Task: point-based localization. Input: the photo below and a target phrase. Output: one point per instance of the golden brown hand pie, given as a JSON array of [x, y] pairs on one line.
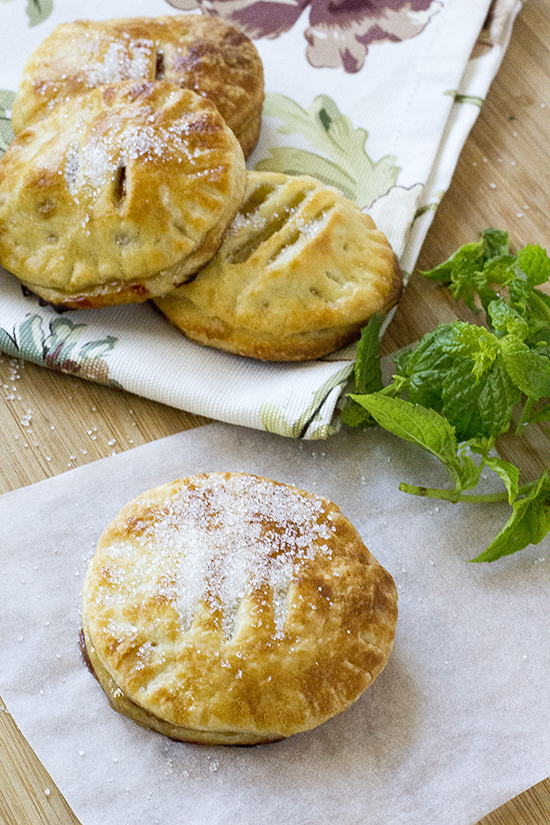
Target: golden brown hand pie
[[299, 272], [196, 52], [226, 608], [119, 194]]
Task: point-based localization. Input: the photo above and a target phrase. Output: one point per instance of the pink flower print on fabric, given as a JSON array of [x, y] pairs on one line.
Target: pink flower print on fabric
[[340, 31]]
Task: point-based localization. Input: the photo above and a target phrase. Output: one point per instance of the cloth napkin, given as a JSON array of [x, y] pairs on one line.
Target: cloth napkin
[[455, 725], [377, 101]]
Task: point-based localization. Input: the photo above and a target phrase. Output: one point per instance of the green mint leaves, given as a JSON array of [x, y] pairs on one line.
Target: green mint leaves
[[483, 268], [457, 390], [528, 524]]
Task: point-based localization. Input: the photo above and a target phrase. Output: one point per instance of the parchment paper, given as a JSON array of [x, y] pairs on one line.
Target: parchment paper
[[456, 724]]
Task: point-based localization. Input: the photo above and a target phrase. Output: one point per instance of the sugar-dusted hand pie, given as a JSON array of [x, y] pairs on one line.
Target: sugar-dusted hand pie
[[118, 194], [298, 274], [196, 52], [226, 608]]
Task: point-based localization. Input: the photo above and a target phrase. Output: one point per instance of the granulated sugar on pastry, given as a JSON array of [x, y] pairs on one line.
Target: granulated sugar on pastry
[[223, 559], [212, 610]]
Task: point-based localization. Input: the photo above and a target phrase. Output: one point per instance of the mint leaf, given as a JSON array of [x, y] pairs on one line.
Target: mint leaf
[[529, 370], [367, 375], [457, 371], [464, 270], [497, 242], [461, 272], [542, 414], [528, 524], [469, 258], [425, 369], [537, 316], [535, 264], [506, 320], [460, 400], [367, 370], [356, 416], [469, 471], [495, 403], [419, 425], [477, 343], [499, 270], [506, 471]]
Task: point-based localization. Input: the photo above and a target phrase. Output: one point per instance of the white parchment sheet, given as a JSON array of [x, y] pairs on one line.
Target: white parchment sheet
[[457, 723]]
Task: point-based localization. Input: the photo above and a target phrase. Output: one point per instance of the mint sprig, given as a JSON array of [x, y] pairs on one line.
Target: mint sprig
[[459, 388]]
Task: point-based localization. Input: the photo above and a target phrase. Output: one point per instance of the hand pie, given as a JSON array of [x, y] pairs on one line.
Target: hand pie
[[196, 52], [118, 194], [298, 274], [226, 608]]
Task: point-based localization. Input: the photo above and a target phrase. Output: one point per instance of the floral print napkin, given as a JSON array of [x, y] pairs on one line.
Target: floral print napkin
[[375, 98]]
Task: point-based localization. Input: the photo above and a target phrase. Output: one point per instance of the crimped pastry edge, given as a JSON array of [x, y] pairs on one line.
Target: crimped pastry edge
[[379, 624]]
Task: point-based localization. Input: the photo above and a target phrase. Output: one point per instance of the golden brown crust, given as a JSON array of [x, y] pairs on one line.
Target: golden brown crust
[[230, 609], [118, 194], [196, 52], [299, 272]]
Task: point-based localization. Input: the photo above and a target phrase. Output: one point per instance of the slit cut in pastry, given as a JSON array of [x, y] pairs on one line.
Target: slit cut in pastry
[[227, 608], [118, 194], [196, 52], [299, 273]]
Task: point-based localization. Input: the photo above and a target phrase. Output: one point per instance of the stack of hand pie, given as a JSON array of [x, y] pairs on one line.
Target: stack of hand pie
[[123, 175], [126, 181]]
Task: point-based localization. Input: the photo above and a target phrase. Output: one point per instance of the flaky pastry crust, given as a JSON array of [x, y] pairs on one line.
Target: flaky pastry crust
[[118, 194], [230, 609], [196, 52], [300, 271]]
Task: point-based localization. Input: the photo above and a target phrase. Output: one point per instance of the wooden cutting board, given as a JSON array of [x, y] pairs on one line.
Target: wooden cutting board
[[54, 422]]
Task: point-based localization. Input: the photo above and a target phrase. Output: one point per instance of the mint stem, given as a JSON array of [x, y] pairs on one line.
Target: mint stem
[[525, 413], [455, 496]]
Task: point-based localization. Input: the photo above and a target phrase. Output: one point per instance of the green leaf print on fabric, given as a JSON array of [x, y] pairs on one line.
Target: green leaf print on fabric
[[6, 132], [38, 11], [460, 98], [57, 348], [274, 419], [344, 162], [432, 206]]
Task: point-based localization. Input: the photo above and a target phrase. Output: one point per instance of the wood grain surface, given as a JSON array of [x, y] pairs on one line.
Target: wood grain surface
[[50, 423]]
